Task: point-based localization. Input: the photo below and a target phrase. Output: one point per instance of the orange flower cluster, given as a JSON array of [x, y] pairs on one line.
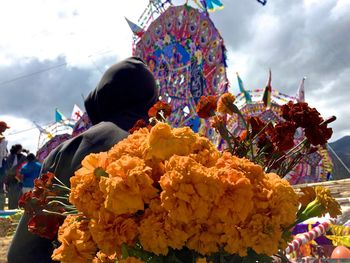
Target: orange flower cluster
[[171, 188]]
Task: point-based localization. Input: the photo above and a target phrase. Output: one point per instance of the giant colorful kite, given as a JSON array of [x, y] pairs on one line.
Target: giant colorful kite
[[185, 52]]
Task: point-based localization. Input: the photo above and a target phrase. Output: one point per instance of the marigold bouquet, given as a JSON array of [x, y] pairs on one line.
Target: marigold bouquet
[[167, 194]]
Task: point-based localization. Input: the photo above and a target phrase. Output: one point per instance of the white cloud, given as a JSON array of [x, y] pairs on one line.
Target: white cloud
[[75, 29], [22, 131], [341, 9]]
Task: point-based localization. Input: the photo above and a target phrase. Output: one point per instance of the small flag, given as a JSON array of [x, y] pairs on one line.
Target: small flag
[[212, 5], [43, 130], [301, 91], [138, 31], [59, 116], [246, 94], [267, 93], [76, 113]]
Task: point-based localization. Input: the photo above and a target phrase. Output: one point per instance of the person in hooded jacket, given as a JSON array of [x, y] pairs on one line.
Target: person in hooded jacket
[[124, 94]]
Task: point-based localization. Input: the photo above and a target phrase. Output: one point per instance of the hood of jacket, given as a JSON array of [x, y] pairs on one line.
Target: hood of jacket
[[124, 94]]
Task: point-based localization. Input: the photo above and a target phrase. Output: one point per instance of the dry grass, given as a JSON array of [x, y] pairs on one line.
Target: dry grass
[[4, 245]]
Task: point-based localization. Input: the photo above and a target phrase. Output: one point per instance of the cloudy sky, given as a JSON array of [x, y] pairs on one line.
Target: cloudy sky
[[53, 52]]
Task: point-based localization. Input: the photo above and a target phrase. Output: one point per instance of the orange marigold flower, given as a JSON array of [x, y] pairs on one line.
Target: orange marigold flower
[[308, 194], [217, 122], [164, 142], [251, 170], [232, 240], [128, 187], [322, 204], [204, 152], [158, 169], [160, 106], [133, 145], [206, 106], [261, 234], [131, 260], [225, 103], [189, 189], [283, 201], [76, 241], [109, 231], [205, 236], [85, 193], [158, 232], [103, 258], [236, 203]]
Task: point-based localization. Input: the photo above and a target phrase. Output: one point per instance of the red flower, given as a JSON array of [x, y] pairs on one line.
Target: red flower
[[30, 203], [45, 225], [141, 123], [257, 125], [309, 119], [160, 106], [318, 135], [206, 106], [284, 136], [301, 114]]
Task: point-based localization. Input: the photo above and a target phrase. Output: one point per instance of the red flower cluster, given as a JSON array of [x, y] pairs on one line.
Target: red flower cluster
[[278, 138], [206, 106], [160, 106], [316, 131], [141, 123], [34, 202]]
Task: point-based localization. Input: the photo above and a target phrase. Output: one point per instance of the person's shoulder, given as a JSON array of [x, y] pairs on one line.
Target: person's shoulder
[[104, 131]]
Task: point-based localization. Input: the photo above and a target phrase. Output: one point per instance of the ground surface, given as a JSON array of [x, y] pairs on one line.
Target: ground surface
[[4, 245]]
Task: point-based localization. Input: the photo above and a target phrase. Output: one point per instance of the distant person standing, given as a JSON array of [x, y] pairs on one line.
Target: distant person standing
[[30, 171], [13, 184], [3, 156]]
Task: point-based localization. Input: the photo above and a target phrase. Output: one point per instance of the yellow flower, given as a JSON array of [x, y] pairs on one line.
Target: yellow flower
[[85, 193], [133, 145], [128, 187], [109, 231], [76, 241], [225, 103], [189, 189], [308, 195], [322, 204], [158, 231], [131, 260], [201, 260], [165, 142]]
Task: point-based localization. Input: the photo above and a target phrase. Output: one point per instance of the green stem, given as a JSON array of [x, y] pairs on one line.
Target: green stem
[[61, 203], [58, 180], [62, 187], [57, 197], [53, 213]]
